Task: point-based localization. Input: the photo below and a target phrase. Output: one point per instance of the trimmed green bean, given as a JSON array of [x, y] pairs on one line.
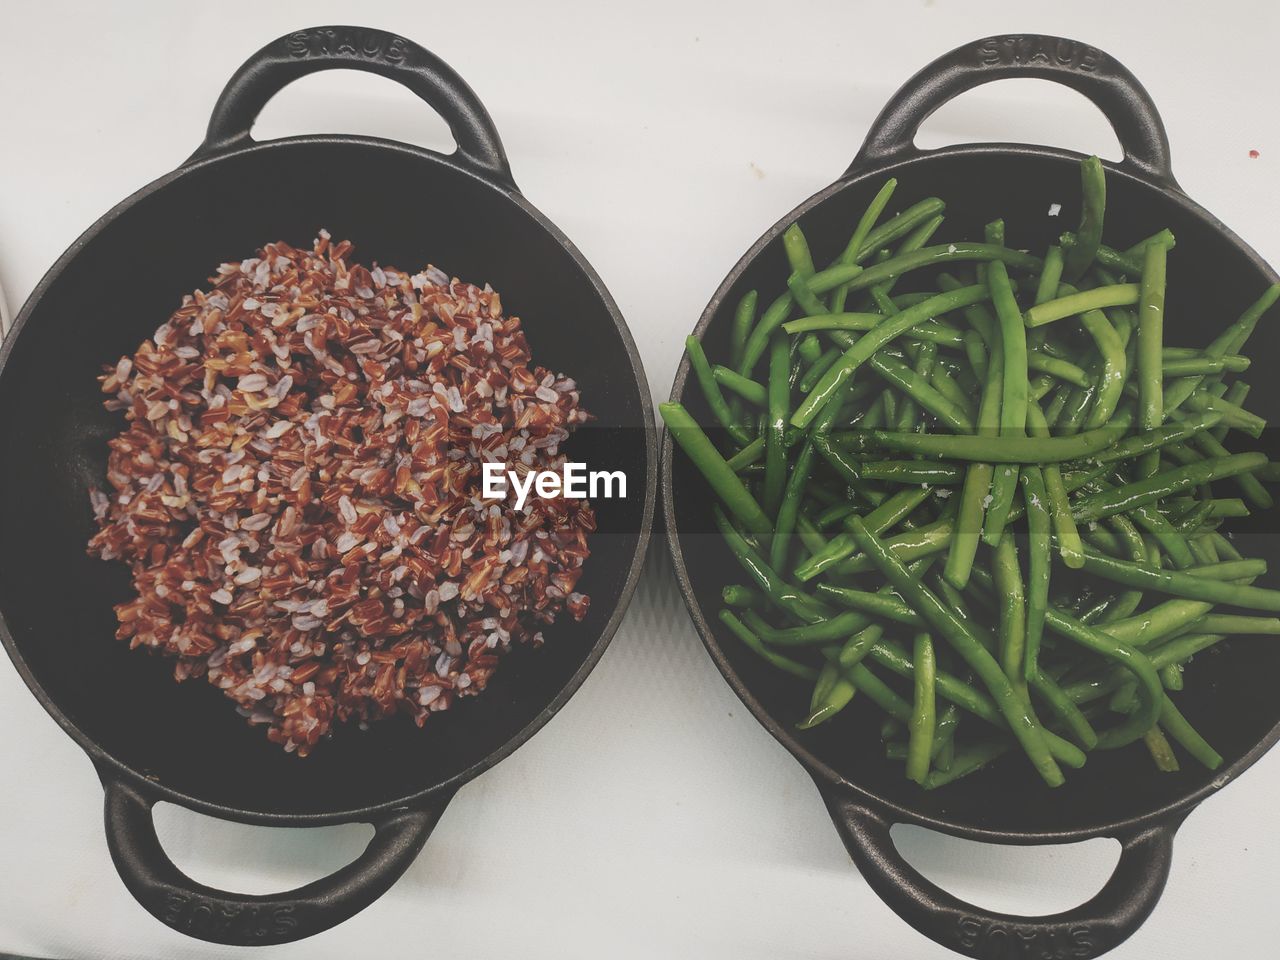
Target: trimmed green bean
[[876, 338], [1160, 485], [924, 716], [1079, 255], [711, 391], [700, 450]]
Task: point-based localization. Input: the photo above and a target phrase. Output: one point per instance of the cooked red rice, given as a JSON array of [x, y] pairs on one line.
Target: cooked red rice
[[297, 492]]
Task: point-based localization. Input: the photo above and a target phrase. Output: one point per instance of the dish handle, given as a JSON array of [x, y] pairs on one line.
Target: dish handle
[[304, 52], [252, 919], [1101, 78], [1099, 924]]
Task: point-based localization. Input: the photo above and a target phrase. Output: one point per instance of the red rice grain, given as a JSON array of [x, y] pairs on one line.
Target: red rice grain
[[297, 492]]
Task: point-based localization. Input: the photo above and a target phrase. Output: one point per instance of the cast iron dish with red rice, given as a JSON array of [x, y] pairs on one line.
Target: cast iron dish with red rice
[[152, 739]]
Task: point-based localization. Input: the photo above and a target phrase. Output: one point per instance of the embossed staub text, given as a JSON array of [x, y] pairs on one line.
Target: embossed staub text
[[354, 42], [1028, 50]]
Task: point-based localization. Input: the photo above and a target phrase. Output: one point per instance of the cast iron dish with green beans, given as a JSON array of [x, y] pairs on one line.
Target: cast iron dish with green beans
[[970, 498]]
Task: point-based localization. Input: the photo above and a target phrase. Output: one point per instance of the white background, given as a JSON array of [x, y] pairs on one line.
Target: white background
[[652, 817]]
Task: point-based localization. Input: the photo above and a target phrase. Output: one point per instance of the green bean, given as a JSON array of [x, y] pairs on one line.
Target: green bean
[[1164, 236], [775, 445], [711, 391], [881, 520], [731, 490], [1157, 486], [1249, 485], [808, 634], [1176, 725], [1233, 339], [1161, 750], [1025, 727], [926, 353], [894, 267], [1039, 526], [1230, 569], [1181, 583], [1150, 355], [858, 242], [744, 319], [1237, 393], [1144, 443], [773, 317], [808, 348], [1111, 350], [879, 693], [745, 457], [912, 545], [1231, 362], [1061, 369], [1075, 304], [944, 737], [1004, 485], [932, 331], [987, 449], [1152, 697], [877, 604], [1192, 366], [834, 514], [949, 386], [753, 643], [1079, 255], [975, 494], [1182, 648], [992, 233], [752, 391], [1228, 506], [831, 694], [1007, 575], [967, 761], [1013, 398], [1050, 276], [810, 537], [951, 413], [820, 366], [976, 353], [900, 224], [789, 508], [924, 718], [787, 598], [916, 239], [737, 595], [1165, 534], [1232, 415], [827, 702], [1230, 623], [796, 248], [1127, 262], [1069, 545], [806, 299], [880, 335], [1228, 342]]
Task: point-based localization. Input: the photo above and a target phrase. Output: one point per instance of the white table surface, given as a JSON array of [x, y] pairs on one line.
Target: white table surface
[[652, 817]]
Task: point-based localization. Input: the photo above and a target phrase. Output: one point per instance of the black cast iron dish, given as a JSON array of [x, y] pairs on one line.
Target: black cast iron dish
[[152, 739], [1115, 795]]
